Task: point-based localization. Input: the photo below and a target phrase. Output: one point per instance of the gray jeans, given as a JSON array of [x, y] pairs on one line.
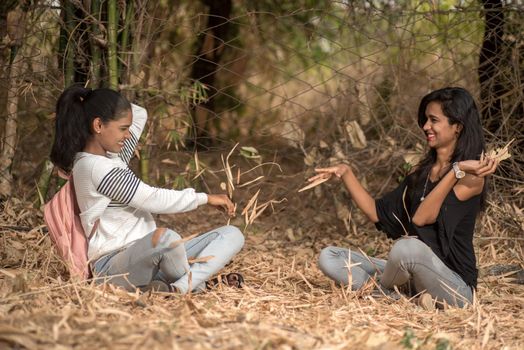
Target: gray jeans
[[152, 258], [410, 261]]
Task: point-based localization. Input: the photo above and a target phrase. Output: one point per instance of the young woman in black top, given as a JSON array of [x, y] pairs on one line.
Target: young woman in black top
[[436, 204]]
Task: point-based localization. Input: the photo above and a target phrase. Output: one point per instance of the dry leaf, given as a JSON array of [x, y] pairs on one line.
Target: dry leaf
[[500, 153], [356, 135], [311, 157], [413, 157], [250, 182], [168, 161], [314, 183], [250, 203], [183, 240], [200, 259]]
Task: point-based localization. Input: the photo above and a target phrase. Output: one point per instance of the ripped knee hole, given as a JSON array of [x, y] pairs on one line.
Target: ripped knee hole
[[159, 232]]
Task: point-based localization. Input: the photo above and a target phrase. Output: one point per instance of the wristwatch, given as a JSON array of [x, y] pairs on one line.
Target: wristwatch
[[459, 174]]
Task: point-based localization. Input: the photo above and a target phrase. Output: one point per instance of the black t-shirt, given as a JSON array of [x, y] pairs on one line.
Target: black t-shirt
[[450, 237]]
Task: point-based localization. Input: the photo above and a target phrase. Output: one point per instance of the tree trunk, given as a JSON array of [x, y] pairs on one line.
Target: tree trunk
[[6, 6], [210, 47], [5, 53], [17, 24], [490, 63]]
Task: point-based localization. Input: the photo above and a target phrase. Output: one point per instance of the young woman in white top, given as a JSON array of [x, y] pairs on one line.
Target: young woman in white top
[[96, 135]]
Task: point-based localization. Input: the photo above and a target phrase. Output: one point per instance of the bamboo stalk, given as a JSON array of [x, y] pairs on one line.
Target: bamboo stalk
[[112, 23], [96, 55], [43, 182], [144, 165], [69, 71], [126, 33]]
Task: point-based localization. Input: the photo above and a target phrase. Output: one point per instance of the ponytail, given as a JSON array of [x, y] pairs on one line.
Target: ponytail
[[76, 109], [71, 127]]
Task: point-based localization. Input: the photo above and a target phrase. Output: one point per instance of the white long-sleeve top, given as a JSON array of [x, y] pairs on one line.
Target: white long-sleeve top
[[107, 190]]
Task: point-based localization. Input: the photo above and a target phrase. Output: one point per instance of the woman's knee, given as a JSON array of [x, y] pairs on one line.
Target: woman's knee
[[233, 235], [325, 259], [408, 248], [163, 237]]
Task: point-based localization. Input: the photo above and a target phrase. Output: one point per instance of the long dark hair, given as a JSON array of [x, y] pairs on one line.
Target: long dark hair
[[76, 109], [460, 108]]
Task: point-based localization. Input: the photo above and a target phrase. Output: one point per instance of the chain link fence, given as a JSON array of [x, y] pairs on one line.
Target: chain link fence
[[313, 81]]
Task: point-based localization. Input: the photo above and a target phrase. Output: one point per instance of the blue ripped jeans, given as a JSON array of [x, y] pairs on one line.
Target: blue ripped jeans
[[153, 257], [410, 261]]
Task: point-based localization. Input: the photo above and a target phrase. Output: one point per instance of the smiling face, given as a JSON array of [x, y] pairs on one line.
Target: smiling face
[[110, 136], [439, 132]]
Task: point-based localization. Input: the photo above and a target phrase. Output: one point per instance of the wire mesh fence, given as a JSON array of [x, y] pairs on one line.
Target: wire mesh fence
[[317, 80]]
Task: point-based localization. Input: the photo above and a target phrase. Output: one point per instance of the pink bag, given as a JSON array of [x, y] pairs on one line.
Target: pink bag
[[61, 215]]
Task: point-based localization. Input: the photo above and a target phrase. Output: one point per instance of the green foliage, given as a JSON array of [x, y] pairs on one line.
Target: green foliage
[[191, 176], [193, 94], [405, 168], [443, 344], [371, 251], [180, 182], [409, 340], [250, 153], [174, 138]]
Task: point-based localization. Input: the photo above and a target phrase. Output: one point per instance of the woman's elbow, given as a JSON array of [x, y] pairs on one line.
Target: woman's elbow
[[373, 217], [421, 221]]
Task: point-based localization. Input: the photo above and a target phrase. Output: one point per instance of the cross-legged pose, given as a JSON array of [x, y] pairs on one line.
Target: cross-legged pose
[[436, 204], [96, 135]]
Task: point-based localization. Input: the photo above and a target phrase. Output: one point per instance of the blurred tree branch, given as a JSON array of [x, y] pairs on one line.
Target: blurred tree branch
[[15, 16]]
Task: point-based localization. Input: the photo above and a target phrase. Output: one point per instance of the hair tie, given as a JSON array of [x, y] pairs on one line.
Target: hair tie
[[85, 94]]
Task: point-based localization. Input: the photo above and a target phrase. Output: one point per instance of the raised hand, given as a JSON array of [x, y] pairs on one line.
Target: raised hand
[[325, 173], [480, 168]]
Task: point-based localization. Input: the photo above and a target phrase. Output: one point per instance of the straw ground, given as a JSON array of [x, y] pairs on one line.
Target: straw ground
[[286, 304]]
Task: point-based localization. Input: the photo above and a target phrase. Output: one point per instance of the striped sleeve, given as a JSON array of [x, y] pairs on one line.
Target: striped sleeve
[[123, 188], [139, 121], [119, 184]]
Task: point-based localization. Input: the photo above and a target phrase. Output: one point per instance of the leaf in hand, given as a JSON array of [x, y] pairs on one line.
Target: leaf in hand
[[501, 153], [315, 183]]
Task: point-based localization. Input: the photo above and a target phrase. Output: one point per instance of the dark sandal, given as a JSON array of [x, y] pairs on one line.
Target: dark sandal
[[234, 280], [157, 286]]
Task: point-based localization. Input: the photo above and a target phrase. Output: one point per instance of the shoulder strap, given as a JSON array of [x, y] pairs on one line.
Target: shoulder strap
[[77, 209]]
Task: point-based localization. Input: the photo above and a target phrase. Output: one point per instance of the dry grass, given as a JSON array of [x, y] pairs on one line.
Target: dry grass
[[287, 302]]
